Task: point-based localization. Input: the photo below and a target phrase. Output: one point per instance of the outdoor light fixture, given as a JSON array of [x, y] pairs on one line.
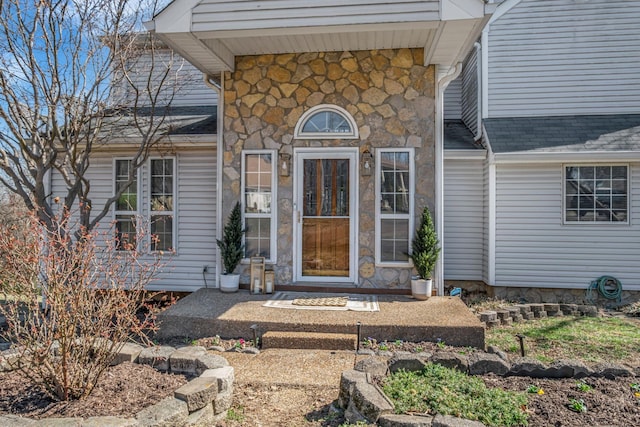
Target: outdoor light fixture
[[285, 164], [366, 163]]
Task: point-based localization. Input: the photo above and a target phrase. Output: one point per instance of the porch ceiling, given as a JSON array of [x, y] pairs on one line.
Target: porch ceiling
[[445, 35]]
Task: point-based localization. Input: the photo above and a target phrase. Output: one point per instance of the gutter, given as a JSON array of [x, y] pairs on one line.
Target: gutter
[[217, 84], [573, 157], [444, 77], [478, 134]]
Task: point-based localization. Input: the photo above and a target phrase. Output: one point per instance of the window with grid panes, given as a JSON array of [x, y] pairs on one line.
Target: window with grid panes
[[126, 206], [394, 191], [596, 194], [162, 203], [258, 196]]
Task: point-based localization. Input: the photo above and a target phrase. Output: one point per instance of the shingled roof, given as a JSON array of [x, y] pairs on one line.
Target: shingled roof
[[197, 120], [458, 137], [564, 133]]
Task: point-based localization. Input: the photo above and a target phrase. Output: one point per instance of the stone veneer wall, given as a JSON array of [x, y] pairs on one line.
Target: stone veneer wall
[[390, 94]]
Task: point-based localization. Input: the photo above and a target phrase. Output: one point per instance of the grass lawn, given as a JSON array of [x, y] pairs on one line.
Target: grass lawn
[[590, 339]]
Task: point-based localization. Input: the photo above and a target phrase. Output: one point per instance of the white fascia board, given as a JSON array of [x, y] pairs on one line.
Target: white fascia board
[[576, 156], [183, 142], [461, 9], [175, 18], [465, 154]]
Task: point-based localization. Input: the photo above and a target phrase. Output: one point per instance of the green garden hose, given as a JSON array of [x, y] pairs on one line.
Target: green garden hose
[[608, 286]]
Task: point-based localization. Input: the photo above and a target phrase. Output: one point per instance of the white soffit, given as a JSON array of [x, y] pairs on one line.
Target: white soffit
[[453, 41], [333, 41], [446, 40]]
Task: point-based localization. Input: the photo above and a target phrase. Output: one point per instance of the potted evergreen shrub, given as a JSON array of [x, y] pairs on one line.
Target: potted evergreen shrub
[[231, 250], [425, 250]]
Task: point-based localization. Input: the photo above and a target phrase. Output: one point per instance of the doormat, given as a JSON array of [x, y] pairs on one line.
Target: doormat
[[324, 302], [315, 301]]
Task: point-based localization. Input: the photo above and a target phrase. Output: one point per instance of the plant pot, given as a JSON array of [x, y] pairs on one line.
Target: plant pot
[[229, 282], [421, 288]]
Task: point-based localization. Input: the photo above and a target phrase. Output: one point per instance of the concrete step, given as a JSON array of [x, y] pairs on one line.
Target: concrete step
[[309, 340]]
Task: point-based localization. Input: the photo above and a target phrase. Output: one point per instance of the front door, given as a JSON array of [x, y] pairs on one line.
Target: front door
[[325, 213]]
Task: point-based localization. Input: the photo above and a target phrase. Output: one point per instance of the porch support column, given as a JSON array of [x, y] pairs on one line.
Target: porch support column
[[444, 76]]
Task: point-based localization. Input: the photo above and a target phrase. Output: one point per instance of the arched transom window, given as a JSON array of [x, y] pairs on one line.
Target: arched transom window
[[326, 121]]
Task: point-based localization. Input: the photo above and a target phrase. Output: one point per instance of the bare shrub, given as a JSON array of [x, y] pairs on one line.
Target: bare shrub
[[93, 293]]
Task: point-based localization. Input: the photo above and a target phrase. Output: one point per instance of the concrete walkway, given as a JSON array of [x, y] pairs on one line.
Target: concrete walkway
[[285, 367]]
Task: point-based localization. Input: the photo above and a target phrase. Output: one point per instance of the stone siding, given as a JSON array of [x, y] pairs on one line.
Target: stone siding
[[390, 94]]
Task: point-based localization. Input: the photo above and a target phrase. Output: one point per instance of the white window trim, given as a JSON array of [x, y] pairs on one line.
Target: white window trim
[[594, 223], [298, 134], [274, 201], [174, 212], [115, 211], [379, 216]]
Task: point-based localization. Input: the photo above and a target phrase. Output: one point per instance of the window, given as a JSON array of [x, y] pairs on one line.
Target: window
[[394, 205], [162, 203], [596, 194], [258, 195], [326, 121], [126, 207]]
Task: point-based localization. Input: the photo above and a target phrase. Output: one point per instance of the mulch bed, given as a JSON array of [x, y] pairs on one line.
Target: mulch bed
[[123, 391], [609, 403]]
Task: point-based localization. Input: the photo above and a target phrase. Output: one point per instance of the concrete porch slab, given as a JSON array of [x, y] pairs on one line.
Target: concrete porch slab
[[209, 312]]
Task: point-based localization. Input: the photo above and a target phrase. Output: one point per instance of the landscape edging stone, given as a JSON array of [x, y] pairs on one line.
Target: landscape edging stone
[[357, 408], [169, 412]]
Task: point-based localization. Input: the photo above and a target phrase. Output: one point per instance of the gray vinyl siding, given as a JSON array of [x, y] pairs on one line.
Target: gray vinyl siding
[[183, 86], [535, 249], [463, 248], [469, 95], [563, 57], [453, 100], [195, 215], [219, 15]]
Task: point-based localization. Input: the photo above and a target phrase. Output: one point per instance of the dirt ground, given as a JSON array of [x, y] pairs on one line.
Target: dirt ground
[[297, 388], [123, 390], [608, 403]]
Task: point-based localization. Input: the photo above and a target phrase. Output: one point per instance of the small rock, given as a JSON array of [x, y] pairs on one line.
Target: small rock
[[611, 370], [568, 369], [528, 367], [451, 360], [481, 363], [372, 365], [495, 350], [216, 348], [395, 420], [408, 361], [250, 350], [449, 421]]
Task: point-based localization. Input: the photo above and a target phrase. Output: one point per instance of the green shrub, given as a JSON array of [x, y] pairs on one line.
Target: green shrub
[[450, 392]]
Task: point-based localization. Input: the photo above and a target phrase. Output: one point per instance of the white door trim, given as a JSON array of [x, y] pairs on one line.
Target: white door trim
[[299, 155]]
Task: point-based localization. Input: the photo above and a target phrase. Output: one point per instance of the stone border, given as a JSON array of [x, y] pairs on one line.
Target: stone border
[[363, 400], [520, 312], [201, 402]]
